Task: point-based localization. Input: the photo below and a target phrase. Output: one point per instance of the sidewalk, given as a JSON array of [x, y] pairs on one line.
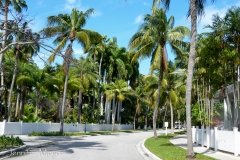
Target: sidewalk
[[181, 141]]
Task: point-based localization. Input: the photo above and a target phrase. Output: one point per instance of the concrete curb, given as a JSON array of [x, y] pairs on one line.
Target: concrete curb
[[144, 152], [7, 153]]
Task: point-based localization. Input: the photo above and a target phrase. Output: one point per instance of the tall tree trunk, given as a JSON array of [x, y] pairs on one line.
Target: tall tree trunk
[[17, 102], [229, 112], [172, 126], [157, 103], [37, 103], [12, 84], [146, 118], [68, 52], [4, 38], [79, 106], [191, 62], [22, 103], [114, 114]]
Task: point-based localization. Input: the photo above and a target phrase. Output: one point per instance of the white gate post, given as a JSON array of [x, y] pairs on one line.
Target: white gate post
[[202, 135], [21, 122], [215, 139], [197, 130], [4, 126], [235, 132], [208, 136], [50, 126], [193, 134]]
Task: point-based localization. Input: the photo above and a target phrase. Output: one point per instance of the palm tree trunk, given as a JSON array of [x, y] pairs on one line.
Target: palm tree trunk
[[17, 102], [172, 127], [146, 117], [191, 63], [37, 103], [68, 52], [12, 84], [79, 106], [114, 114], [22, 103], [157, 103]]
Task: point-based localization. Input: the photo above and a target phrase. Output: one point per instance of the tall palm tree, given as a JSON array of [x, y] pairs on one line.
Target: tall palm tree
[[151, 40], [68, 28]]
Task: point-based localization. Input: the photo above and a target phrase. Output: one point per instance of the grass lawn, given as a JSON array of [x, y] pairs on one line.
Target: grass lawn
[[165, 150]]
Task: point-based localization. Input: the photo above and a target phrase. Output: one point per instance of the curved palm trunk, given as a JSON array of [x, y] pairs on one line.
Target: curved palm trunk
[[68, 52], [191, 62], [171, 108], [146, 118], [12, 84], [17, 103], [100, 94], [79, 106]]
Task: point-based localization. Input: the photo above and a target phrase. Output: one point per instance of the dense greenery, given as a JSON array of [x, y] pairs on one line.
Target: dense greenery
[[8, 142]]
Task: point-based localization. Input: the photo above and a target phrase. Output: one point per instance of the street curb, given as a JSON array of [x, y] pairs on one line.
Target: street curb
[[7, 153], [144, 152]]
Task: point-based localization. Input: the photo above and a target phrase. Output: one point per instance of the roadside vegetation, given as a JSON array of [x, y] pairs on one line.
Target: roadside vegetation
[[165, 150], [9, 142]]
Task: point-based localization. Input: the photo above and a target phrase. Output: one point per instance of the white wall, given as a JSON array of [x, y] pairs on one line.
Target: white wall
[[19, 128], [223, 140]]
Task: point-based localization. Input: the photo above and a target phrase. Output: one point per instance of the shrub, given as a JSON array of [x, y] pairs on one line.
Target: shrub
[[6, 142]]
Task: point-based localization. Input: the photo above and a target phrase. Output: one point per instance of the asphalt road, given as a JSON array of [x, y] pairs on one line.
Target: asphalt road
[[119, 146]]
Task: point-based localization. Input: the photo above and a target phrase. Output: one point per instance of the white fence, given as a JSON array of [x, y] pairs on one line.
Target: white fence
[[20, 128], [228, 141]]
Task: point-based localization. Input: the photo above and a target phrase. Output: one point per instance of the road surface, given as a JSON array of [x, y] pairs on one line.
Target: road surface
[[119, 146]]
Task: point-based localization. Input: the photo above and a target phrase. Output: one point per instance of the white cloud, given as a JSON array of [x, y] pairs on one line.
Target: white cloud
[[71, 1], [139, 19], [146, 4], [96, 14], [77, 51], [70, 4]]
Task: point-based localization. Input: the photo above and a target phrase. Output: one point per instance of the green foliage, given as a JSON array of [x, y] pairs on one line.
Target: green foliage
[[6, 142]]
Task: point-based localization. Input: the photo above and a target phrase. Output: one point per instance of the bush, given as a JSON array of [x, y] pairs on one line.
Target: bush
[[6, 142], [46, 134]]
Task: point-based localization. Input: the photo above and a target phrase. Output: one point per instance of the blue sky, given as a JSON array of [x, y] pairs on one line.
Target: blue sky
[[117, 18]]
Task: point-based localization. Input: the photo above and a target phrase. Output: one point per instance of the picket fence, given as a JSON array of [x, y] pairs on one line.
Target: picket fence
[[222, 140], [20, 128]]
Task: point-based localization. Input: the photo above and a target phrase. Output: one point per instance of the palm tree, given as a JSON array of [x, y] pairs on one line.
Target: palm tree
[[120, 90], [68, 28], [18, 5], [151, 39]]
